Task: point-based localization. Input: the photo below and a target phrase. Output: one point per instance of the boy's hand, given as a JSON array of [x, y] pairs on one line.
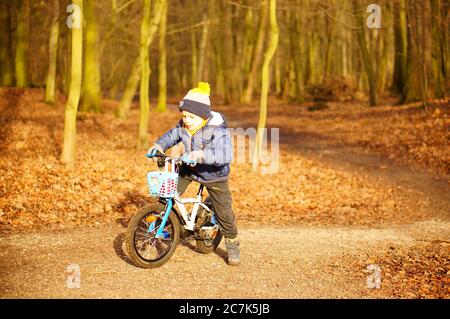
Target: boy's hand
[[185, 159], [192, 158], [152, 153]]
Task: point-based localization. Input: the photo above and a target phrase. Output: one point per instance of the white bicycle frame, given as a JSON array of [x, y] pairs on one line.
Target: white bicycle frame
[[189, 218]]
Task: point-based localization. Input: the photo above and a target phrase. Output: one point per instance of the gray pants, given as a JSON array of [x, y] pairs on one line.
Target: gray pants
[[221, 200]]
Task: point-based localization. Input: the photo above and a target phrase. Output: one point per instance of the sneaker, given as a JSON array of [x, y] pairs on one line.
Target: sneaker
[[232, 245]]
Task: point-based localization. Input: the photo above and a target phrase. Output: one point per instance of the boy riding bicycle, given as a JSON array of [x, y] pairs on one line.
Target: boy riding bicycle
[[206, 160]]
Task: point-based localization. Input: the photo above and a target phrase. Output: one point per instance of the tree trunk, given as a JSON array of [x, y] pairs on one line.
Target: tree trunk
[[311, 63], [278, 90], [52, 53], [22, 31], [367, 59], [194, 57], [145, 77], [238, 75], [203, 45], [329, 43], [218, 80], [445, 45], [273, 43], [257, 54], [162, 67], [91, 91], [412, 90], [133, 79], [70, 113], [130, 90], [345, 67], [248, 42], [382, 67], [6, 58], [296, 57], [227, 50], [67, 58], [426, 49], [400, 40], [438, 51]]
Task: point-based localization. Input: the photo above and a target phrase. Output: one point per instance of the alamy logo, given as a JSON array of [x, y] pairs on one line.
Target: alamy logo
[[74, 20], [374, 19], [244, 141], [269, 158], [374, 279], [73, 279]]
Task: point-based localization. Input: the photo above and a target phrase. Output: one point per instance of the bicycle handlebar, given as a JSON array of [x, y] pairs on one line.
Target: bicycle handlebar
[[165, 157]]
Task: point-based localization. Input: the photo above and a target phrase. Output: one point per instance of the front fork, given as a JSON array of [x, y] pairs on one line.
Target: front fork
[[161, 233]]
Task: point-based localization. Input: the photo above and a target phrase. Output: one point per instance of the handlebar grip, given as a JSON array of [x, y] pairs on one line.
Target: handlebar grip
[[158, 154]]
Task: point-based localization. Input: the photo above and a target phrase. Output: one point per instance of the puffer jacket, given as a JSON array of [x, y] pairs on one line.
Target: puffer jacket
[[215, 142]]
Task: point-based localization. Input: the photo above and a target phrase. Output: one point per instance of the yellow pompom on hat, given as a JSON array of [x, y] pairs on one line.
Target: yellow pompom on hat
[[197, 102], [202, 88]]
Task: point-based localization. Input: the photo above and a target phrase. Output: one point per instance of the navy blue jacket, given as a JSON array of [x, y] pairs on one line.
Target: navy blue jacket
[[214, 143]]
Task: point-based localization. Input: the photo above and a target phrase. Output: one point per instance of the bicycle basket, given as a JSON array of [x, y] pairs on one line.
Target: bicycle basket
[[162, 184]]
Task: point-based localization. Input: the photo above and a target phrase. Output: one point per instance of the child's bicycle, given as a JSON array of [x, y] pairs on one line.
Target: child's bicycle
[[154, 232]]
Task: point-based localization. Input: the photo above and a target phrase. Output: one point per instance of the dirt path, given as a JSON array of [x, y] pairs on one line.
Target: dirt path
[[289, 263], [377, 167]]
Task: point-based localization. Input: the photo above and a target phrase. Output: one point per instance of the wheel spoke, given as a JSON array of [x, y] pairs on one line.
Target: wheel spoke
[[143, 242], [145, 229], [158, 247], [148, 249]]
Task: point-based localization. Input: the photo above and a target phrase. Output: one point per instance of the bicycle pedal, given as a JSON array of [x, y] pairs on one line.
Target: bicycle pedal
[[207, 232]]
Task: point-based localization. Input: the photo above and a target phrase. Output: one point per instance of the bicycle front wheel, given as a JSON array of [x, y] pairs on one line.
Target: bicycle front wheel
[[144, 248]]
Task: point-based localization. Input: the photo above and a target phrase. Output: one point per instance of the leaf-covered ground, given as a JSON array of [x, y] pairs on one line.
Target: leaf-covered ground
[[422, 271], [338, 168], [407, 134], [108, 182]]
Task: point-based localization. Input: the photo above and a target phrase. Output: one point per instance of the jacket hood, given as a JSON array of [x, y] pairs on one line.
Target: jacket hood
[[216, 119]]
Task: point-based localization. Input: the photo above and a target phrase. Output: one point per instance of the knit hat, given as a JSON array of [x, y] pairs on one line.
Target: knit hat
[[197, 101]]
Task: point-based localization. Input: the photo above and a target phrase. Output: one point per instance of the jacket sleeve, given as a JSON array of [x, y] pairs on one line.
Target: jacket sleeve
[[220, 151], [170, 138]]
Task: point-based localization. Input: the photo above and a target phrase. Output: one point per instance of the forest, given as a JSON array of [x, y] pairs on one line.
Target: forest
[[357, 90], [114, 50]]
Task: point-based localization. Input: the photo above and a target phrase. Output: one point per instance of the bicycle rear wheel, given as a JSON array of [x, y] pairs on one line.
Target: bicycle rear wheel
[[144, 249], [208, 246]]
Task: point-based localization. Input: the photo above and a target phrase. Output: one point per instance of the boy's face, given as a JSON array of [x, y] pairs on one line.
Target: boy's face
[[191, 121]]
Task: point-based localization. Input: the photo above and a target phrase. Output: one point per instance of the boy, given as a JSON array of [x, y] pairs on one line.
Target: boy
[[208, 154]]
